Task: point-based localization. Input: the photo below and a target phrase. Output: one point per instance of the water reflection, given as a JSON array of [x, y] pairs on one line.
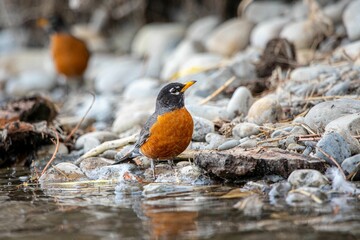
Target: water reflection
[[95, 211]]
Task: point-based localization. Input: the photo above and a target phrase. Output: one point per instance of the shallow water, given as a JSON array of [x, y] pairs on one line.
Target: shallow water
[[96, 211]]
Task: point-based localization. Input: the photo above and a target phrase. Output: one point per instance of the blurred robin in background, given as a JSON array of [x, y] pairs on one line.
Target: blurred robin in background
[[168, 131], [70, 54]]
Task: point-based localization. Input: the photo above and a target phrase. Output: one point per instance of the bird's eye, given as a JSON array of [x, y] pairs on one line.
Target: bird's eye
[[174, 91]]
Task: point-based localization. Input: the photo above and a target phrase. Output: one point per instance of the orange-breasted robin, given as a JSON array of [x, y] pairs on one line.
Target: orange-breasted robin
[[168, 131], [70, 54]]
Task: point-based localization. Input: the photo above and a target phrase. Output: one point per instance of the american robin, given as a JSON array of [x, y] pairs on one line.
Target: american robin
[[70, 54], [168, 131]]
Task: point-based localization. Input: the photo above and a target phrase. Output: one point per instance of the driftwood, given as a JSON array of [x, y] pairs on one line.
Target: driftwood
[[239, 163]]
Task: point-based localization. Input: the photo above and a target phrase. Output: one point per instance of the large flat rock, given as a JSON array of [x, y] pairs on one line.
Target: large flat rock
[[239, 163]]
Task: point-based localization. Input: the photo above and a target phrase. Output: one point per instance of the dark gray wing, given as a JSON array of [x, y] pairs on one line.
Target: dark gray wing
[[145, 131]]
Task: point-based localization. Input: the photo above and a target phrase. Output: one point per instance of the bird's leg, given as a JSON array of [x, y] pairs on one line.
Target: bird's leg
[[153, 168]]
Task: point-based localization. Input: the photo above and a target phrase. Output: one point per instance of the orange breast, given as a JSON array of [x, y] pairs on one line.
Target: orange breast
[[70, 55], [169, 136]]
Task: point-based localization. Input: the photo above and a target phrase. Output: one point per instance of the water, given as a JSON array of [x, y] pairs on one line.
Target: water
[[95, 211]]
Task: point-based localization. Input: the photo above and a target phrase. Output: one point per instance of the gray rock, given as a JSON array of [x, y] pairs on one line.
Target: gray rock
[[127, 121], [258, 12], [279, 191], [230, 37], [347, 126], [202, 127], [142, 89], [352, 164], [298, 130], [351, 49], [245, 129], [307, 178], [179, 56], [229, 144], [334, 145], [302, 74], [91, 166], [295, 147], [162, 189], [30, 81], [265, 110], [351, 20], [335, 11], [341, 88], [116, 75], [198, 145], [323, 113], [281, 132], [189, 173], [209, 112], [240, 102], [301, 33], [114, 172], [267, 30], [63, 172], [200, 29], [243, 67], [249, 143], [100, 136], [214, 140], [298, 199]]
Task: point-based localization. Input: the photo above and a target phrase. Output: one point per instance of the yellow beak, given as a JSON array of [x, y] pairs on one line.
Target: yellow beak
[[187, 85]]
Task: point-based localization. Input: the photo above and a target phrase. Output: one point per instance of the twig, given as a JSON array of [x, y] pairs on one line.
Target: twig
[[332, 160], [54, 154], [313, 197], [82, 119], [218, 91], [106, 146]]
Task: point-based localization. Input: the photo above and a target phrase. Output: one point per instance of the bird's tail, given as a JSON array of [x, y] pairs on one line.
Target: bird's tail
[[129, 156]]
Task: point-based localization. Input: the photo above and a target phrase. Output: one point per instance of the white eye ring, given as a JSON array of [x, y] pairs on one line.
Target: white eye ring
[[174, 91]]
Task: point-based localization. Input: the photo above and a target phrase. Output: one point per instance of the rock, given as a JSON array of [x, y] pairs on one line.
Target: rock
[[100, 136], [341, 88], [48, 150], [298, 199], [238, 163], [229, 144], [127, 121], [249, 143], [352, 165], [265, 110], [117, 74], [307, 178], [335, 11], [114, 172], [230, 37], [200, 29], [334, 145], [279, 191], [267, 30], [202, 127], [214, 140], [245, 129], [323, 113], [309, 73], [30, 81], [198, 62], [190, 173], [351, 49], [240, 102], [243, 67], [179, 56], [90, 166], [209, 112], [162, 189], [258, 12], [63, 172], [347, 126], [295, 147], [301, 33], [101, 110], [142, 89], [157, 37], [351, 19]]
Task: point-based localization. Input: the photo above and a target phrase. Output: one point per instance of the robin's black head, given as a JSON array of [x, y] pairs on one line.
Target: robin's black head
[[52, 24], [172, 96]]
